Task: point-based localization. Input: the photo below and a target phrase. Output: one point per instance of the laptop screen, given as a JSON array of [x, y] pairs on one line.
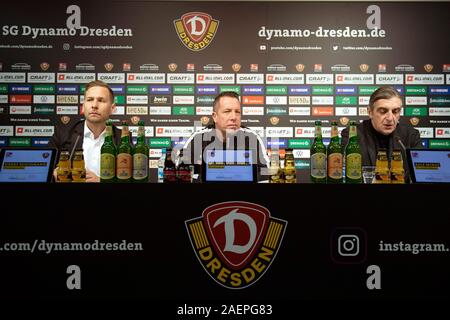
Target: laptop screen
[[26, 165], [429, 165], [229, 166]]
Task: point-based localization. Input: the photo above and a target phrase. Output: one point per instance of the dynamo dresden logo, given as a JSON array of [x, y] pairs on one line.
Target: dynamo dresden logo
[[196, 30], [236, 242]]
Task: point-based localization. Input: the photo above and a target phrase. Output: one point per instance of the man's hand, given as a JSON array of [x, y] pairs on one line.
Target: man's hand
[[55, 174], [91, 177]]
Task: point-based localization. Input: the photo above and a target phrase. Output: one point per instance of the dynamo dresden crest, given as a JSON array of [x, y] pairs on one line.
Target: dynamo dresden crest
[[236, 242], [196, 30]]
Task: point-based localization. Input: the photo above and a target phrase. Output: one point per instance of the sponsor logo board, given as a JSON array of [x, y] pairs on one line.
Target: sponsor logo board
[[299, 111], [252, 111], [41, 77], [75, 77], [181, 131], [111, 77], [160, 110], [250, 78], [424, 79], [180, 78], [319, 79], [20, 110], [66, 109], [280, 132], [282, 100], [6, 131], [34, 131], [136, 78], [224, 78], [290, 78]]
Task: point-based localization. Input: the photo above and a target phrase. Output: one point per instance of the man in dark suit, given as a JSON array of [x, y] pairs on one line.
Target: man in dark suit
[[89, 134], [383, 129]]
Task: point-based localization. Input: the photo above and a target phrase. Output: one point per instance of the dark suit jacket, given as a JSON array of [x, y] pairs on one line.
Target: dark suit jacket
[[65, 138], [369, 143]]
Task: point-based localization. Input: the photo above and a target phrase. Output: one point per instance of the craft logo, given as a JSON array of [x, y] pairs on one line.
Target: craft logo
[[196, 30], [236, 242], [382, 67], [108, 66]]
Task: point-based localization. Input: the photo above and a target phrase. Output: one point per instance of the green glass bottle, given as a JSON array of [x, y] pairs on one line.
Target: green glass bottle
[[124, 162], [353, 159], [318, 164], [140, 156], [334, 156], [108, 156]]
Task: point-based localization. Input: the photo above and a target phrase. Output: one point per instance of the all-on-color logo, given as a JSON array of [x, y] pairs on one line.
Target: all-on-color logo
[[236, 241], [196, 30]]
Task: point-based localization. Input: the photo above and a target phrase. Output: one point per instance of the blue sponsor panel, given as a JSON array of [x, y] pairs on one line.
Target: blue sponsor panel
[[439, 90], [67, 89], [117, 89], [40, 142], [178, 143], [20, 88], [400, 89], [275, 143], [3, 142], [251, 90], [206, 89], [160, 89], [294, 90], [346, 90], [425, 143]]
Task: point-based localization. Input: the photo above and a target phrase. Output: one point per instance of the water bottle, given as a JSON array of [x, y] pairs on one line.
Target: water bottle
[[161, 161]]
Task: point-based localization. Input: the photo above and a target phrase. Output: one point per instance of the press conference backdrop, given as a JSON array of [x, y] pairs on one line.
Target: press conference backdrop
[[291, 62]]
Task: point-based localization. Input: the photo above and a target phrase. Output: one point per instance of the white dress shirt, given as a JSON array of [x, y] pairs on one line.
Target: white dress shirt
[[91, 149]]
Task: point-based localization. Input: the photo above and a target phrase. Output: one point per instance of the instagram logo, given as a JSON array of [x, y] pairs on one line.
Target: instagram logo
[[348, 245]]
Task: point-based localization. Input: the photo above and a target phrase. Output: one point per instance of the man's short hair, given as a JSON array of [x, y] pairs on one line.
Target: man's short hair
[[99, 83], [384, 92], [230, 94]]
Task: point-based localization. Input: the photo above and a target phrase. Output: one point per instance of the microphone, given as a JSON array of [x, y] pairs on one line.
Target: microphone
[[397, 138], [74, 146], [399, 141]]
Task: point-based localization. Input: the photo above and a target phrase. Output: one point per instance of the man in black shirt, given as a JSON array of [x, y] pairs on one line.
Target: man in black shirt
[[383, 130], [226, 133]]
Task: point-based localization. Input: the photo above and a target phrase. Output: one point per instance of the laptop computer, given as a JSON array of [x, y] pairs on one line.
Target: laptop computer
[[429, 165], [229, 166], [27, 164]]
